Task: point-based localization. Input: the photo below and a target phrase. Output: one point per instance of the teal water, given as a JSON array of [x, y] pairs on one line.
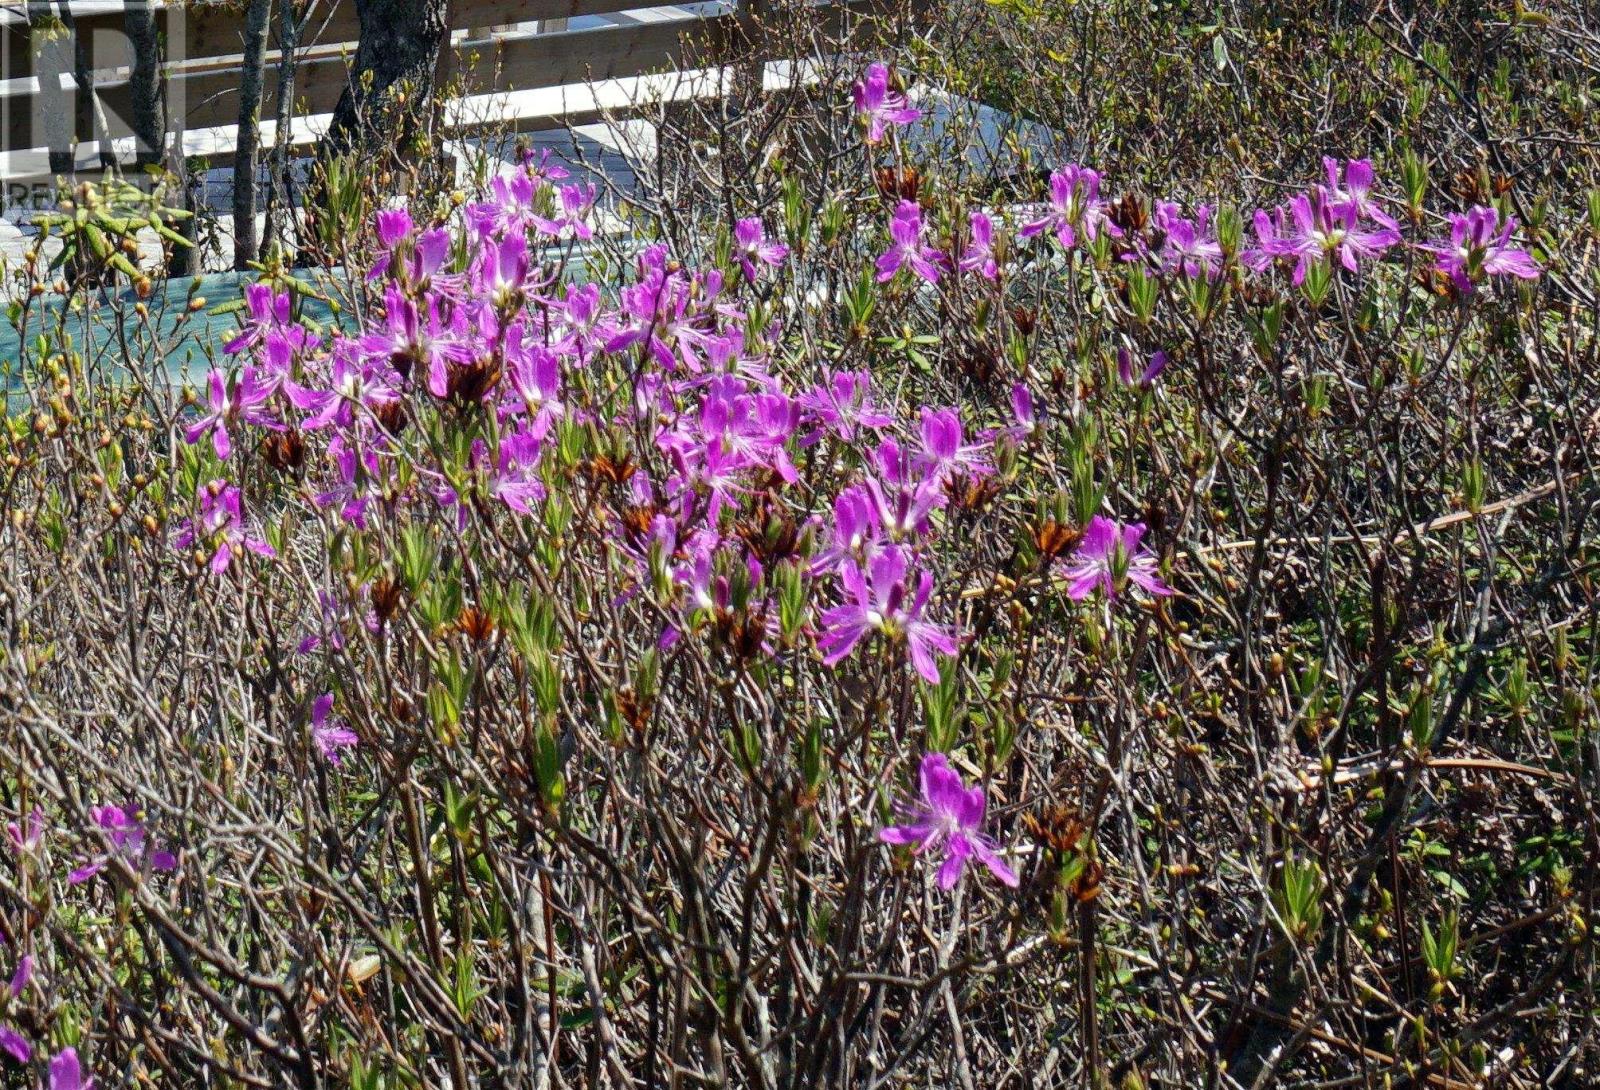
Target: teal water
[[189, 341]]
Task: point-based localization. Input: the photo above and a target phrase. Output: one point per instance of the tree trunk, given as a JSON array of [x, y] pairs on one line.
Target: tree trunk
[[280, 195], [144, 84], [246, 161], [53, 60], [401, 41], [89, 119]]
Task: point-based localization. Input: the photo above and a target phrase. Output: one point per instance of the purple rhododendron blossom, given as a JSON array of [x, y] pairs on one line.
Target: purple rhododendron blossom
[[1355, 188], [979, 255], [332, 736], [124, 828], [856, 534], [1318, 228], [1189, 246], [880, 604], [220, 525], [1147, 377], [577, 201], [245, 400], [15, 1045], [66, 1072], [751, 246], [1108, 554], [1480, 245], [264, 310], [947, 825], [880, 106], [27, 835], [907, 248], [1024, 420], [944, 451], [1075, 206], [370, 385], [843, 405]]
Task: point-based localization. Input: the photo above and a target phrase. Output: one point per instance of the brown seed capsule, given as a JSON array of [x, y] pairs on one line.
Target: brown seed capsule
[[611, 470], [1052, 538], [1057, 827], [385, 598], [475, 623], [284, 450]]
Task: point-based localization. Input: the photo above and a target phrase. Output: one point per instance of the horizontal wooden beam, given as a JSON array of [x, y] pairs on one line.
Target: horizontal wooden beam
[[210, 96], [506, 63], [214, 28], [519, 112]]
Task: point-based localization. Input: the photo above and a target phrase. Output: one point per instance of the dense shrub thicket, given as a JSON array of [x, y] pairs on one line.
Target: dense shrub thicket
[[881, 619]]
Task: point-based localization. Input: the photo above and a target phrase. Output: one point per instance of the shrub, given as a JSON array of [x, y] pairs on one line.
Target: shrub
[[872, 630]]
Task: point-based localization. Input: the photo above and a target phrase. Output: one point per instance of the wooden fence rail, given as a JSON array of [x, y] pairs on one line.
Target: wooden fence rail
[[201, 68]]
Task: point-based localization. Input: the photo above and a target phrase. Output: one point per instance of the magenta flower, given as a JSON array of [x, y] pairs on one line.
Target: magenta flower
[[583, 326], [416, 260], [879, 106], [944, 452], [843, 405], [21, 976], [535, 378], [371, 385], [906, 246], [1270, 241], [726, 356], [1188, 246], [1319, 228], [416, 335], [1356, 189], [347, 493], [948, 824], [66, 1073], [880, 606], [576, 203], [1026, 422], [27, 835], [978, 256], [856, 534], [15, 1045], [12, 1042], [905, 493], [1110, 555], [752, 245], [394, 226], [1146, 378], [1075, 205], [124, 829], [264, 311], [515, 479], [509, 209], [220, 525], [1480, 245], [332, 736], [244, 401], [660, 314], [334, 612], [503, 270]]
